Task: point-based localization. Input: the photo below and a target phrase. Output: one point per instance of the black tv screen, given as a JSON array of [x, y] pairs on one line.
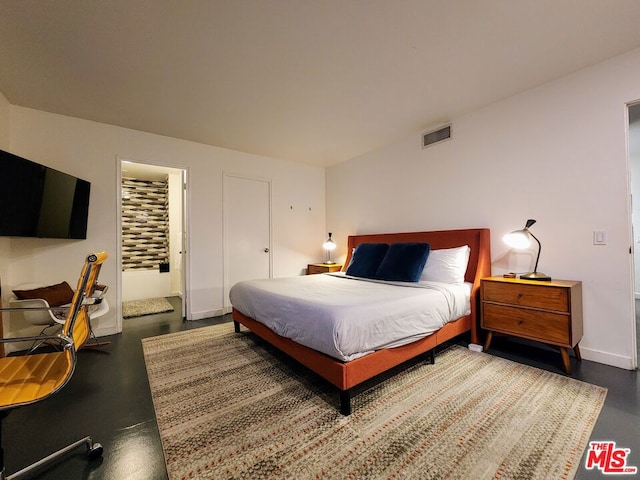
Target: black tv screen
[[38, 201]]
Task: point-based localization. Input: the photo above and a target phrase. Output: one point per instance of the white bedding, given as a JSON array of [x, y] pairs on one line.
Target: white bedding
[[347, 317]]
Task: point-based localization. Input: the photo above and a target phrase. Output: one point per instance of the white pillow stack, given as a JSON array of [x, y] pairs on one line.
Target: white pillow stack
[[446, 265]]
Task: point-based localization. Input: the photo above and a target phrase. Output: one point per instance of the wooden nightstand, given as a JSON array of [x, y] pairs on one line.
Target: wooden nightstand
[[549, 312], [313, 268]]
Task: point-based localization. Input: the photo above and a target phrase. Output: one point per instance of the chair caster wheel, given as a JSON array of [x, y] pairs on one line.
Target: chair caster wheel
[[95, 451]]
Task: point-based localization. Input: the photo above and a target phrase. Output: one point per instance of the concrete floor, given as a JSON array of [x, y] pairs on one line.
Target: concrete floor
[[109, 399]]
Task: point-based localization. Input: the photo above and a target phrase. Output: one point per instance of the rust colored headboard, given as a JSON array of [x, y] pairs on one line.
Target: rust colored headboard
[[477, 238]]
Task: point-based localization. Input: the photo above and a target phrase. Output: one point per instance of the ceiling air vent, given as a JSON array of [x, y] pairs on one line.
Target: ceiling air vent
[[436, 136]]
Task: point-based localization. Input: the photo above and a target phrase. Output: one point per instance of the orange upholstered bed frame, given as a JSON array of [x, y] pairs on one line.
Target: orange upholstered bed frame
[[346, 375]]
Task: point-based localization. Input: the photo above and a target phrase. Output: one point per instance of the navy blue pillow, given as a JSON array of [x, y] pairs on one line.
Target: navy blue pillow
[[404, 262], [366, 259]]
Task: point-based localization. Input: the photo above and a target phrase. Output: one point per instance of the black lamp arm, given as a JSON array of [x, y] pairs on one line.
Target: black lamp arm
[[535, 269]]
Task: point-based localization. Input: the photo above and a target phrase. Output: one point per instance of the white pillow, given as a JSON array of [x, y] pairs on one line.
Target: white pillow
[[446, 265]]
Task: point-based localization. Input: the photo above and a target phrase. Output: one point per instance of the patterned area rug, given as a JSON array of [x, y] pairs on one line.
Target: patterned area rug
[[229, 406], [137, 308]]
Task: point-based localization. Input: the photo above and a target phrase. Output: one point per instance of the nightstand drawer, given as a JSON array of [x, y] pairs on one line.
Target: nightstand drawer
[[532, 324], [549, 298]]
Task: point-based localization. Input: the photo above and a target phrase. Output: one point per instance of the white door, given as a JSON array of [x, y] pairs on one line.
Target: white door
[[247, 231]]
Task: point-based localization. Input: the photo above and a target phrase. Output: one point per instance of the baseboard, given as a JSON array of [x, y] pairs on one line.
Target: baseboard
[[206, 314], [607, 358], [103, 331]]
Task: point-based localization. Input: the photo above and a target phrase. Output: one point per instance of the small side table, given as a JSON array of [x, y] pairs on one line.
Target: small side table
[[314, 268], [548, 312]]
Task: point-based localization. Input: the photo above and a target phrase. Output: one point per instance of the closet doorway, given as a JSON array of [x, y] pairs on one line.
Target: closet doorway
[[152, 240], [247, 230]]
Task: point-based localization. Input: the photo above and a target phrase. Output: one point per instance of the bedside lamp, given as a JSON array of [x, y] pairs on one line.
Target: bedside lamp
[[328, 246], [522, 239]]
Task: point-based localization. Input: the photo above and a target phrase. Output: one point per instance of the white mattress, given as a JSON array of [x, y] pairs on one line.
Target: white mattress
[[347, 317]]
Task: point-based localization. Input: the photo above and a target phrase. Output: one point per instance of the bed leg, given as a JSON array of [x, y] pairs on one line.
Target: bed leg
[[236, 326], [432, 356], [345, 402]]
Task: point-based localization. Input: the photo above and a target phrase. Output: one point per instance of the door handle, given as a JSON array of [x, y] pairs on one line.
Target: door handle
[[266, 250]]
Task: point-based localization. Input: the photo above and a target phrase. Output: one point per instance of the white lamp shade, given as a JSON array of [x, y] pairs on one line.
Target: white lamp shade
[[329, 245], [517, 239]]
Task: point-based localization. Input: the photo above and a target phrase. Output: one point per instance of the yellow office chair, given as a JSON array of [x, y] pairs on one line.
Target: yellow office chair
[[30, 378]]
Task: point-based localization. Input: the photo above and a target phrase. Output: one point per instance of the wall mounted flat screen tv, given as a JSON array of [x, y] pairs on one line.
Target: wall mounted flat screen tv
[[38, 201]]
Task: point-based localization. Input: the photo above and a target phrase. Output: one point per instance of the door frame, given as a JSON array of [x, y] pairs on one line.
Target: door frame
[[186, 208], [635, 340], [226, 305]]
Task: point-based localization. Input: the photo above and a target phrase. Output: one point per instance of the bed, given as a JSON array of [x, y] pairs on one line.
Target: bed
[[342, 364]]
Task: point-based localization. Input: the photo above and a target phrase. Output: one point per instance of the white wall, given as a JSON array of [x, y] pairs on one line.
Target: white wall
[[556, 154], [141, 284], [5, 122], [92, 151]]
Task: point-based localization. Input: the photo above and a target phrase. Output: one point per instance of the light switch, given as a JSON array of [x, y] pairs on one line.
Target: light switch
[[599, 237]]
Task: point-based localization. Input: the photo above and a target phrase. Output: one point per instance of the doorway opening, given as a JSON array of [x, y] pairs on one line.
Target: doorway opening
[[152, 240], [634, 169]]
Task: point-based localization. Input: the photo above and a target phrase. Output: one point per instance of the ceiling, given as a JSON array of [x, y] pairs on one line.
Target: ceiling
[[142, 171], [313, 81]]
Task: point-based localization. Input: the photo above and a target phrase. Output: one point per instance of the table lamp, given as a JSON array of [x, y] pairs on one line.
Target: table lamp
[[522, 239], [328, 246]]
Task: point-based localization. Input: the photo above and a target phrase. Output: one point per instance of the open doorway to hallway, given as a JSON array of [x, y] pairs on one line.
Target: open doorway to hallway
[[152, 240], [634, 169]]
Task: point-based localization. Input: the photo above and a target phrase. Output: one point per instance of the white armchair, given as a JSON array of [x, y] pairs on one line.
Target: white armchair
[[40, 312]]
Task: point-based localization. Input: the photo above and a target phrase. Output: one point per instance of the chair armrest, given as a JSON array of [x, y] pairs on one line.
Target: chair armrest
[[64, 340], [28, 309], [97, 296], [98, 309], [28, 303], [100, 291], [30, 312]]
